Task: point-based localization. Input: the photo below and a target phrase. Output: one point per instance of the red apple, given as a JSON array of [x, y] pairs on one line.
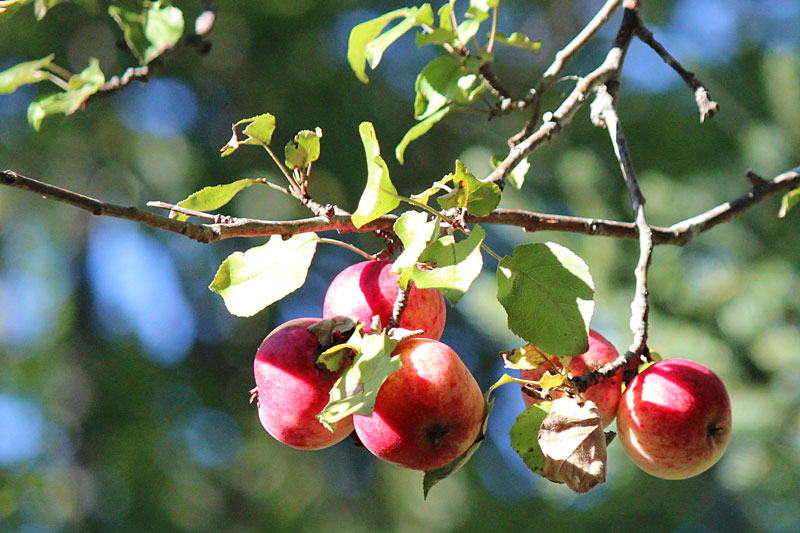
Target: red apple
[[366, 289], [427, 413], [605, 394], [674, 419], [292, 390]]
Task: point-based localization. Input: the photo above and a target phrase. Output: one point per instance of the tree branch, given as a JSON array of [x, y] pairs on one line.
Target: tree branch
[[554, 122], [563, 56], [223, 227], [203, 25]]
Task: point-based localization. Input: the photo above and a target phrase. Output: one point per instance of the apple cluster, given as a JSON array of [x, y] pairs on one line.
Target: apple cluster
[[426, 414], [673, 418]]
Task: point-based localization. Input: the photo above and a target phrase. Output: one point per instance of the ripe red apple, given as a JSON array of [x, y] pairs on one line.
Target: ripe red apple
[[605, 394], [292, 390], [427, 413], [369, 288], [674, 419]]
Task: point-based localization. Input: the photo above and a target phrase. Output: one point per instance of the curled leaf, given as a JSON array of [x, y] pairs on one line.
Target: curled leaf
[[574, 445]]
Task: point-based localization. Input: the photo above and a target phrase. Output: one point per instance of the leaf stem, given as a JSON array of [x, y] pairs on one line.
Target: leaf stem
[[56, 80], [348, 246], [490, 46]]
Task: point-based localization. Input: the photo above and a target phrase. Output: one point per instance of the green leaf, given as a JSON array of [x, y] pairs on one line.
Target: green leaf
[[438, 186], [9, 7], [326, 331], [518, 40], [24, 73], [259, 132], [451, 266], [304, 149], [250, 281], [789, 200], [415, 232], [477, 12], [149, 31], [357, 388], [213, 197], [366, 44], [479, 197], [417, 131], [81, 86], [441, 82], [547, 293], [517, 174], [444, 33], [525, 435], [259, 129], [379, 196]]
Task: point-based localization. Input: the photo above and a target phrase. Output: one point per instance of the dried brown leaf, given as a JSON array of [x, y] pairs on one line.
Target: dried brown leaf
[[574, 445]]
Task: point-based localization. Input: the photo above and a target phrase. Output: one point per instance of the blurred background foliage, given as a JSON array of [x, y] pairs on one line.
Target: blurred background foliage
[[123, 381]]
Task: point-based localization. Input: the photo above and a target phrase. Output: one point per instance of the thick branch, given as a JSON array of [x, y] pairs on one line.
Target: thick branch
[[226, 227]]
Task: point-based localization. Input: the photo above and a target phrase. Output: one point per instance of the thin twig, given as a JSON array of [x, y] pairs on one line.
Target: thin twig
[[563, 56], [348, 246], [708, 107], [202, 27], [678, 234]]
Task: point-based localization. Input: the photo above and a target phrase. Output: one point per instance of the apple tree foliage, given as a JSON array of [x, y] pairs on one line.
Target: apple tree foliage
[[545, 288]]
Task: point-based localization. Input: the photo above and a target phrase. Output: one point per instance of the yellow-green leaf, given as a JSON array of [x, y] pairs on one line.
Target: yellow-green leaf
[[250, 281]]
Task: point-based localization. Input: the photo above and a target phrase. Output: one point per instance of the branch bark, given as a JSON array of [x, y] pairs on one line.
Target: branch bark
[[225, 227]]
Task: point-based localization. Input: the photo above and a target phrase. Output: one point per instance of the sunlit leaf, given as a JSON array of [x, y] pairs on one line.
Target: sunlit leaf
[[517, 40], [303, 149], [547, 293], [366, 44], [259, 129], [379, 196], [357, 388], [528, 357], [437, 187], [441, 82], [149, 31], [789, 200], [24, 73], [250, 281], [417, 131], [479, 197], [213, 197], [415, 232], [81, 86], [451, 266]]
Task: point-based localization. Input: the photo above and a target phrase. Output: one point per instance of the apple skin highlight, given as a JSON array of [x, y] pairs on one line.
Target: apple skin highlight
[[427, 413], [674, 419], [292, 390], [369, 288]]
